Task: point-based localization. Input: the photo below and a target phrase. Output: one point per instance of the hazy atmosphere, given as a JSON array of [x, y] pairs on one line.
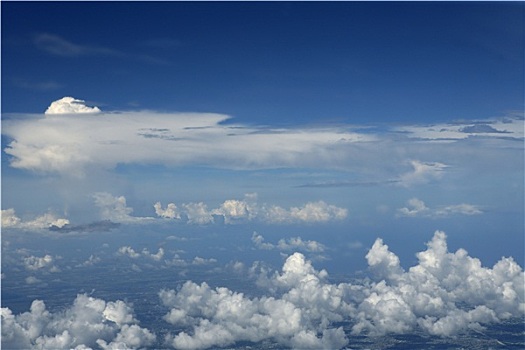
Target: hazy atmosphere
[[267, 175]]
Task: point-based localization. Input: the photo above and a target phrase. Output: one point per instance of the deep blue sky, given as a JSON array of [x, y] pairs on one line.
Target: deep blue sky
[[269, 62]]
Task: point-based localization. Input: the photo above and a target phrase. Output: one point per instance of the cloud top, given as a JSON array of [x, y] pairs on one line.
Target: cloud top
[[70, 105]]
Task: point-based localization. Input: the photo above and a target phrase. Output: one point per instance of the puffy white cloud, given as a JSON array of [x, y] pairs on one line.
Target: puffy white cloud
[[423, 172], [290, 244], [127, 250], [197, 213], [36, 263], [9, 219], [115, 208], [88, 322], [444, 294], [417, 207], [70, 105], [311, 212], [130, 252], [234, 210], [220, 317], [171, 211]]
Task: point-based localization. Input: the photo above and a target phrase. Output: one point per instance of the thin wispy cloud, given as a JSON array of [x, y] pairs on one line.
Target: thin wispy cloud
[[28, 84], [58, 46], [417, 208]]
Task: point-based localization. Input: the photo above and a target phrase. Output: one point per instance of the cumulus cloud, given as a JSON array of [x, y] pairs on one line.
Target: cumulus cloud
[[311, 212], [70, 105], [234, 210], [444, 294], [290, 244], [34, 263], [423, 172], [171, 211], [418, 208], [220, 317], [87, 323], [130, 252], [11, 220], [114, 208]]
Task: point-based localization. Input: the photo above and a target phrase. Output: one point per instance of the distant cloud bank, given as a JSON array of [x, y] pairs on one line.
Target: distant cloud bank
[[67, 141]]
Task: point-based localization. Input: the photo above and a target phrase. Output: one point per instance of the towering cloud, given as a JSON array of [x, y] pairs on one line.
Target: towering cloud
[[70, 105], [444, 294]]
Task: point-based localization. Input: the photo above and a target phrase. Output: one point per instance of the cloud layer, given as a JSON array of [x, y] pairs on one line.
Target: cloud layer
[[62, 143], [444, 294]]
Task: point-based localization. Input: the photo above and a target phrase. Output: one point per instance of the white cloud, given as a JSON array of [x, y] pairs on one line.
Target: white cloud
[[115, 209], [418, 208], [463, 208], [70, 105], [311, 212], [35, 263], [290, 244], [220, 317], [69, 143], [197, 213], [444, 294], [130, 252], [171, 211], [423, 172], [233, 211], [88, 322], [10, 220], [415, 207], [202, 261]]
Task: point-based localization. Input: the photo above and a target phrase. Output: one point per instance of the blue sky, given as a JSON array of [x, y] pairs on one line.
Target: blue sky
[[211, 140], [273, 62]]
